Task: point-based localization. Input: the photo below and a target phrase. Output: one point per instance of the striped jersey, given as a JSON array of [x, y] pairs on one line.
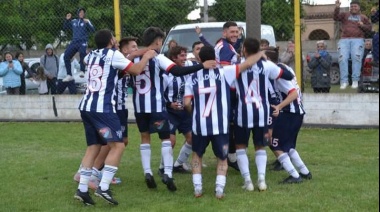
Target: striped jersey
[[102, 70], [210, 90], [225, 53], [284, 87], [252, 88], [149, 85], [122, 92]]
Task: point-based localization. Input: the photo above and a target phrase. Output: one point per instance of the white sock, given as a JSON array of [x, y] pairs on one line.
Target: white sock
[[167, 155], [161, 164], [243, 162], [108, 174], [80, 167], [184, 154], [287, 164], [296, 159], [261, 163], [95, 173], [232, 157], [197, 181], [85, 174], [220, 183], [145, 158]]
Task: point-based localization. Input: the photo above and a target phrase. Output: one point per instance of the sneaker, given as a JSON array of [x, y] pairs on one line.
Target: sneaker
[[169, 182], [219, 194], [77, 177], [180, 169], [81, 74], [291, 180], [106, 195], [67, 78], [277, 166], [198, 192], [234, 165], [149, 180], [161, 172], [343, 85], [262, 185], [307, 176], [355, 84], [84, 197], [248, 185]]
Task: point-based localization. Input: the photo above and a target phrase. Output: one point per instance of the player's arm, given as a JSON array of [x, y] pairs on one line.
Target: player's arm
[[175, 70], [187, 98], [137, 53], [292, 95], [67, 23], [187, 103], [250, 61], [284, 73], [137, 68]]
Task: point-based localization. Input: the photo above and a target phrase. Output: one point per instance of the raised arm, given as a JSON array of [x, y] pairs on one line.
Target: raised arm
[[67, 23], [201, 37], [337, 15]]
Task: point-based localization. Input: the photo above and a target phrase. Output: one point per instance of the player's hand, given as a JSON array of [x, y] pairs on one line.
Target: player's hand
[[176, 106], [150, 54], [337, 3], [68, 16], [86, 20], [209, 64], [198, 30], [276, 110]]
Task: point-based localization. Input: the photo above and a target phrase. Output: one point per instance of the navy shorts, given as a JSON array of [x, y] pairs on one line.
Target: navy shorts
[[179, 120], [242, 135], [219, 145], [154, 122], [285, 131], [123, 117], [101, 128], [271, 121]]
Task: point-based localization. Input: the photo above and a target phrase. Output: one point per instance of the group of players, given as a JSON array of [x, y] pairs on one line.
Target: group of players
[[219, 97]]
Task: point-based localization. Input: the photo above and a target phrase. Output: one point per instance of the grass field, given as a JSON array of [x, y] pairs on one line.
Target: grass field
[[38, 161]]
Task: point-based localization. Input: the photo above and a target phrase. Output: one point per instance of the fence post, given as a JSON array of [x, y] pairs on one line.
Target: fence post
[[116, 7], [253, 18], [297, 42]]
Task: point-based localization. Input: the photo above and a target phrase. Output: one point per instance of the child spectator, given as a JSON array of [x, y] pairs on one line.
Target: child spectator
[[41, 80]]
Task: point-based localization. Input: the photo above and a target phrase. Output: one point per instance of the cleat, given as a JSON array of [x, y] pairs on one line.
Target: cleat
[[161, 172], [248, 185], [233, 165], [277, 166], [106, 195], [149, 180], [198, 192], [262, 186], [84, 197], [180, 169], [307, 176], [169, 182], [219, 194], [291, 180], [77, 177], [68, 78]]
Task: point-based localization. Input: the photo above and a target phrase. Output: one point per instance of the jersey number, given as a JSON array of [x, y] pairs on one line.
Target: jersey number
[[252, 95], [95, 82], [210, 100], [143, 83]]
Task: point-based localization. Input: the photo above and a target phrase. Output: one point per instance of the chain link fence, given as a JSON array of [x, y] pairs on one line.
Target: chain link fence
[[28, 26]]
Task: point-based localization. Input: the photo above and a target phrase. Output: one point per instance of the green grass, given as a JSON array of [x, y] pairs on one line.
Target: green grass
[[38, 161]]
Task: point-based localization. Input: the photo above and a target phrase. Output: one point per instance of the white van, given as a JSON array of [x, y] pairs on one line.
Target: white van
[[185, 34]]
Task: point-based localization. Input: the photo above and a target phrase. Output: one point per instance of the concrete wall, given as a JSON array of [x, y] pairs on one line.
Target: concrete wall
[[322, 109]]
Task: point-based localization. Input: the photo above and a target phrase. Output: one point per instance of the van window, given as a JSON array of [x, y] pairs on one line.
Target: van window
[[186, 37]]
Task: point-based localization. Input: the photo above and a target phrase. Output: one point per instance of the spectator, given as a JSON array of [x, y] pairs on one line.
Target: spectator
[[50, 63], [10, 70], [375, 39], [25, 68], [62, 73], [287, 57], [319, 66], [40, 80], [264, 44], [354, 25], [171, 44]]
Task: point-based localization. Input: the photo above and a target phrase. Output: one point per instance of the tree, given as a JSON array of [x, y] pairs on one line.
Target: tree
[[278, 13]]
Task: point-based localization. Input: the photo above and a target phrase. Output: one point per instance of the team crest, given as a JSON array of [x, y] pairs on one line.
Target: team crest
[[159, 124], [105, 132]]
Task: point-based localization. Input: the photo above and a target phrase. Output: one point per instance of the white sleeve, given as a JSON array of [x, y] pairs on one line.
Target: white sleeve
[[285, 86], [231, 72], [164, 63], [272, 70], [189, 88], [120, 62]]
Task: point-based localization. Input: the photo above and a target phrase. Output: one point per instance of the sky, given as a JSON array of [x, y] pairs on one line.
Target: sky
[[195, 13]]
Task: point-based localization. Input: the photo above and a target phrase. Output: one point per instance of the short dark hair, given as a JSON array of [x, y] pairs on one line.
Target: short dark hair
[[151, 34], [195, 43], [103, 38], [264, 41], [207, 53], [18, 54], [355, 2], [126, 40], [175, 51], [251, 45], [229, 24], [272, 53]]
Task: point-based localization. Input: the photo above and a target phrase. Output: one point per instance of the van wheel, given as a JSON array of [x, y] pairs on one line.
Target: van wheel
[[334, 75]]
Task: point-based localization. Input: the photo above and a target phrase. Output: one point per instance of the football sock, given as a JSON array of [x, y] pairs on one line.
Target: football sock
[[220, 183], [108, 174], [145, 158], [287, 164], [85, 174], [296, 159], [232, 157], [167, 156], [183, 154], [243, 162], [95, 173], [197, 181], [261, 162], [161, 164]]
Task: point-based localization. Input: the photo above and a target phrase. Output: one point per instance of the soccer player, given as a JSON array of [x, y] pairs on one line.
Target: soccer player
[[81, 28], [207, 96], [101, 124], [290, 115], [252, 113], [196, 47], [149, 104], [226, 55]]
